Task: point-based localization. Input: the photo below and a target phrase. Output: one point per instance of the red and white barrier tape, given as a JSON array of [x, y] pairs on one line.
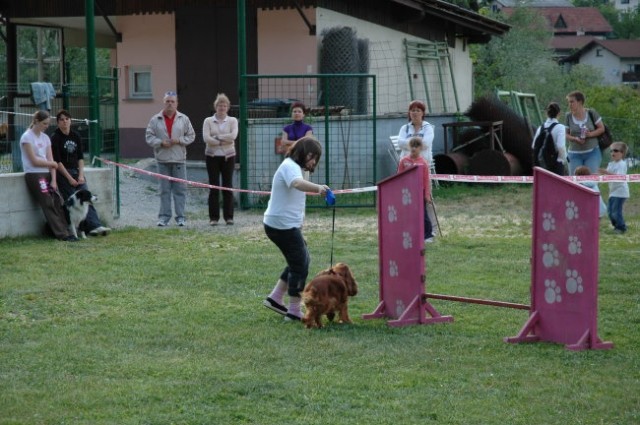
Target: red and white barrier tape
[[440, 177], [529, 179]]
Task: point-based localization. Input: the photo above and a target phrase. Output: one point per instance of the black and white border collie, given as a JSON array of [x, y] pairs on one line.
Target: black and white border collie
[[78, 207]]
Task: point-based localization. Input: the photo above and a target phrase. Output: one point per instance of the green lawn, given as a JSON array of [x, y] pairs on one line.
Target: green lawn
[[166, 327]]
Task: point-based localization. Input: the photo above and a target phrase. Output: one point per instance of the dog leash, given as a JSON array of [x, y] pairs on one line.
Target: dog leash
[[330, 199]]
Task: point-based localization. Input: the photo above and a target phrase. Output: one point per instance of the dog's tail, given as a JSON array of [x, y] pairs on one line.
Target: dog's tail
[[310, 296]]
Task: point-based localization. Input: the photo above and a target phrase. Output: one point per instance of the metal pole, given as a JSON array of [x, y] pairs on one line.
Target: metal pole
[[242, 98], [94, 143]]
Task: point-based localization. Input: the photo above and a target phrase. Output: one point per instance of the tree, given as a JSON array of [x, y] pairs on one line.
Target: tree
[[627, 24], [521, 60], [619, 106]]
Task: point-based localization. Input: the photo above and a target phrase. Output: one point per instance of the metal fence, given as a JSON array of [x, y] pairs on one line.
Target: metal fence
[[341, 108], [17, 108]]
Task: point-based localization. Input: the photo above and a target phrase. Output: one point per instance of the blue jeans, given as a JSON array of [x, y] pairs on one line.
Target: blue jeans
[[294, 248], [168, 187], [615, 213], [591, 159], [428, 227]]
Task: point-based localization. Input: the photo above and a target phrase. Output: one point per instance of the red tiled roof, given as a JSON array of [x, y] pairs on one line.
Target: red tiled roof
[[624, 49], [577, 19], [570, 42]]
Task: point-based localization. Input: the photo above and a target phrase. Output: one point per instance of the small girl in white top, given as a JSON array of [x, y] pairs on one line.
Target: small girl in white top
[[618, 191]]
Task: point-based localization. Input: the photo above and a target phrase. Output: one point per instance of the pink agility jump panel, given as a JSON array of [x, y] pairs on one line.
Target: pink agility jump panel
[[401, 252], [564, 265]]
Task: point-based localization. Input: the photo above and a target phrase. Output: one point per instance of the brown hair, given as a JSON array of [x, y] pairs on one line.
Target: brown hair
[[553, 109], [418, 104], [415, 142], [39, 116], [301, 150], [577, 95], [582, 170], [299, 105], [62, 113]]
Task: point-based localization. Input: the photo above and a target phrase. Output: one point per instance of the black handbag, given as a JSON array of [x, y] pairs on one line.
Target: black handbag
[[605, 139]]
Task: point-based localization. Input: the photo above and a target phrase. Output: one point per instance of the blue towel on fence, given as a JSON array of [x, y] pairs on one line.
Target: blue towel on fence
[[42, 93]]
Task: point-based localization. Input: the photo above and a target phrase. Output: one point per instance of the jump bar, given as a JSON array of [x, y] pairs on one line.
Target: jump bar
[[478, 301]]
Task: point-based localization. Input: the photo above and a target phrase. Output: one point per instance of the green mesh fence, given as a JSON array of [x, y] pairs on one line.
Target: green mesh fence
[[341, 110], [17, 108]]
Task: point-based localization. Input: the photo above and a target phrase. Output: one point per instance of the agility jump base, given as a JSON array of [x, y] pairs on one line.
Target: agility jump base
[[564, 262], [401, 252], [564, 265]]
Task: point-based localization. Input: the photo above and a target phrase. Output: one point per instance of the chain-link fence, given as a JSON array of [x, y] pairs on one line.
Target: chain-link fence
[[18, 106], [341, 110]]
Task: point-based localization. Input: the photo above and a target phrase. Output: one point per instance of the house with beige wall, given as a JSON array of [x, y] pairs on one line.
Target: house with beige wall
[[192, 48]]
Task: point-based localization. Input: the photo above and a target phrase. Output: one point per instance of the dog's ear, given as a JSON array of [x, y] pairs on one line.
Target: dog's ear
[[69, 202], [345, 272], [341, 269]]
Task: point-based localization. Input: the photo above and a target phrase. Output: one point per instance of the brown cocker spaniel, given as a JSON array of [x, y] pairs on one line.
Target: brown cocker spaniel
[[329, 293]]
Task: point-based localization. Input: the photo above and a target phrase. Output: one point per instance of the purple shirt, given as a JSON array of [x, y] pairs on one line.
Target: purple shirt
[[297, 130]]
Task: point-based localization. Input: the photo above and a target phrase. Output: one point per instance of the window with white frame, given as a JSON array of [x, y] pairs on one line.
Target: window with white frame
[[139, 82]]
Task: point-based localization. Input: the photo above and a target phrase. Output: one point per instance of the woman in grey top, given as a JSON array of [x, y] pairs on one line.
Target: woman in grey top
[[583, 128]]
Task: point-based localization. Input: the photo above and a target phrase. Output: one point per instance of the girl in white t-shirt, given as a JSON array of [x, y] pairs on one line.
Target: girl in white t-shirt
[[283, 223], [618, 191], [40, 174]]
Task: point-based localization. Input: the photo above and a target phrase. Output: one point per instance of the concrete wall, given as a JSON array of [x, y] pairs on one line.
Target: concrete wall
[[21, 216], [285, 27]]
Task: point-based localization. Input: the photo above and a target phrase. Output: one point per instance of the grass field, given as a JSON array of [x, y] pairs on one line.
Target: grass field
[[166, 327]]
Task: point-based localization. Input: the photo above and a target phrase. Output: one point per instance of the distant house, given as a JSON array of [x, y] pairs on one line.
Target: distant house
[[568, 44], [192, 46], [626, 5], [576, 21], [619, 60], [498, 5], [573, 27]]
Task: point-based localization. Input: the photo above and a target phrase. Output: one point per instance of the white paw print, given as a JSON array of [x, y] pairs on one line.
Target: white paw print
[[548, 222], [550, 256], [572, 210], [553, 292], [574, 282], [399, 307], [406, 197], [406, 240], [392, 214], [575, 246], [393, 268]]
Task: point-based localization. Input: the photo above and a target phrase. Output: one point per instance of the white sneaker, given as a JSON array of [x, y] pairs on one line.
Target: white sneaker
[[101, 230], [429, 240]]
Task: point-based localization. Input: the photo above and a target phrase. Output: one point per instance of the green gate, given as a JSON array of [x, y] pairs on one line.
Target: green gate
[[341, 108]]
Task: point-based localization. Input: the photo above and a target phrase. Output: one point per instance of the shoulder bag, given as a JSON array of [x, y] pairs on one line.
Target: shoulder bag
[[605, 139]]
